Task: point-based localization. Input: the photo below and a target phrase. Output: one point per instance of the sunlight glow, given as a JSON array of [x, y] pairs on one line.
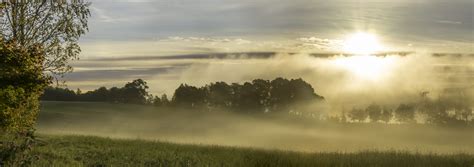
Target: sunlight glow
[[366, 67], [362, 43]]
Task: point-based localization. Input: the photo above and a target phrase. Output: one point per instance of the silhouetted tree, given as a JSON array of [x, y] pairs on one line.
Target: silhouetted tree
[[135, 92], [280, 94], [405, 113], [189, 96], [58, 94], [164, 100], [386, 115], [358, 115], [220, 94], [375, 112], [116, 95], [249, 99], [302, 91], [157, 101]]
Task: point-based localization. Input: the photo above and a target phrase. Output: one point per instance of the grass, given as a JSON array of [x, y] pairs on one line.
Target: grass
[[136, 133], [73, 150]]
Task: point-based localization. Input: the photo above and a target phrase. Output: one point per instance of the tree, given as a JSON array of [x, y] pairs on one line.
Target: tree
[[164, 100], [115, 95], [262, 92], [358, 115], [157, 101], [189, 96], [135, 92], [78, 91], [55, 25], [386, 115], [58, 94], [375, 112], [280, 96], [302, 91], [249, 99], [220, 94], [405, 113], [22, 82]]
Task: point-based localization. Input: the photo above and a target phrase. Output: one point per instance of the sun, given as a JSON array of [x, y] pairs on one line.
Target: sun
[[362, 43], [366, 67]]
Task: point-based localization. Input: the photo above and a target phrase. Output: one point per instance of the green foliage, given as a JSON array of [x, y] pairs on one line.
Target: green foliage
[[134, 92], [189, 96], [96, 151], [22, 84], [55, 25], [258, 96]]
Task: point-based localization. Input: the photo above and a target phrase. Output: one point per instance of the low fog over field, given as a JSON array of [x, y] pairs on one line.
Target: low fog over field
[[261, 131], [345, 82]]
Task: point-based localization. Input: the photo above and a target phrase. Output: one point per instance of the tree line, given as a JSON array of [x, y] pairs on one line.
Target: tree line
[[134, 92], [450, 108], [256, 96]]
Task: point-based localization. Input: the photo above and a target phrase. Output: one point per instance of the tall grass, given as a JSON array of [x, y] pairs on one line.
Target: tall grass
[[96, 151]]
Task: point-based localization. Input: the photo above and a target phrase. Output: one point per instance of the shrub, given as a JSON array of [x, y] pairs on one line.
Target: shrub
[[22, 82]]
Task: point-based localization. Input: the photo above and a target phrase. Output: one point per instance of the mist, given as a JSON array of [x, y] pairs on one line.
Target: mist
[[396, 79], [281, 132], [345, 81]]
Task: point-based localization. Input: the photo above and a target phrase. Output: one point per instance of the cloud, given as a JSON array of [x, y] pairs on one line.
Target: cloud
[[320, 43], [236, 55], [210, 40], [103, 16], [448, 22]]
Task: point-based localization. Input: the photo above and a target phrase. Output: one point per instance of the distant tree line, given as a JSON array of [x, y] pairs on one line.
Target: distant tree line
[[256, 96], [450, 108], [134, 92]]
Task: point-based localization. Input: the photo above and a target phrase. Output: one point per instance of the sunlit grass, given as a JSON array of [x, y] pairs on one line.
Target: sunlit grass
[[96, 151]]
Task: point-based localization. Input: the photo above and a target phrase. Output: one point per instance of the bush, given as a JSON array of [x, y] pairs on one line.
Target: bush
[[22, 82]]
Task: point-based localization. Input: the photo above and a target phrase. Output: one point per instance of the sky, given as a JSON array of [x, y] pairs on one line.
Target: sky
[[168, 42]]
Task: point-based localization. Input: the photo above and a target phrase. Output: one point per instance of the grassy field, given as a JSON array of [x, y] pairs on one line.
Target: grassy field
[[102, 134], [71, 150]]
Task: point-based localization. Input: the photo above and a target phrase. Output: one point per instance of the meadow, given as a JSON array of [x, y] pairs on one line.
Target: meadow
[[105, 134], [73, 150]]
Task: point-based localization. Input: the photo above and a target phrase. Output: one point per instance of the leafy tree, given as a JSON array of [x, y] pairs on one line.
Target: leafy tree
[[386, 115], [22, 81], [262, 92], [115, 95], [358, 115], [302, 91], [189, 96], [55, 25], [135, 92], [280, 94], [37, 37], [405, 113], [220, 94], [78, 91], [249, 99], [164, 100], [375, 112], [157, 101], [58, 94]]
